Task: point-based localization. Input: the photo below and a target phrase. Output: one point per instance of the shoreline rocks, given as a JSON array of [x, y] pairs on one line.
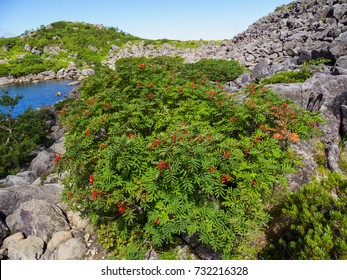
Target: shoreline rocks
[[71, 73]]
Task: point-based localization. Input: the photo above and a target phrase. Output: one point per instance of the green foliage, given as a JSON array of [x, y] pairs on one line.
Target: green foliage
[[70, 37], [30, 64], [215, 69], [317, 219], [300, 76], [288, 77], [153, 154], [18, 137]]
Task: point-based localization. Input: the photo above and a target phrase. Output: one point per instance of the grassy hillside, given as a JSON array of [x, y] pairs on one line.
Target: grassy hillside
[[54, 46]]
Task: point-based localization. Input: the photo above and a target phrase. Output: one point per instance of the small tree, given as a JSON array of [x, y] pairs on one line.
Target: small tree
[[18, 136]]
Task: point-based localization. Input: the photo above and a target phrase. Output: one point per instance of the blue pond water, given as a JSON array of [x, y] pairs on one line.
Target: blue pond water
[[37, 94]]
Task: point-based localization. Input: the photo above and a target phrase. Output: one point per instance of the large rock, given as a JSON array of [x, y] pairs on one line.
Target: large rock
[[12, 197], [43, 163], [87, 72], [304, 174], [57, 239], [339, 46], [4, 80], [260, 71], [27, 249], [58, 147], [12, 239], [38, 217], [22, 178], [324, 93], [73, 249]]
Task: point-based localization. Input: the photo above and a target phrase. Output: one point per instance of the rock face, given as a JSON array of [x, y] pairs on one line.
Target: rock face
[[38, 217], [307, 29]]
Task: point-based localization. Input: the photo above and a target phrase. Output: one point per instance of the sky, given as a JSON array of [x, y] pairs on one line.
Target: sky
[[150, 19]]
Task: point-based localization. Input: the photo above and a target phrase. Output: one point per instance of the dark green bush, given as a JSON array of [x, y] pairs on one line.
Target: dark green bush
[[215, 69], [316, 222]]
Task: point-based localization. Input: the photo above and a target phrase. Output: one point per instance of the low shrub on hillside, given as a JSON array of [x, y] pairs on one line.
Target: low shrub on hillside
[[300, 76], [18, 137], [215, 69], [316, 218], [153, 155]]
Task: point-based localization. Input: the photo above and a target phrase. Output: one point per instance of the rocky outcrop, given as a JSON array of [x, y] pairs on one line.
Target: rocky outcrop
[[301, 30], [327, 94], [306, 28]]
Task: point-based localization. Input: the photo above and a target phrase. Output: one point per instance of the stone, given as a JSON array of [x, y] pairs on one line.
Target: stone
[[304, 174], [73, 249], [339, 46], [12, 197], [38, 217], [38, 182], [58, 147], [57, 239], [87, 72], [340, 66], [74, 83], [339, 11], [4, 80], [21, 178], [27, 249], [27, 48], [333, 152], [260, 71], [324, 93], [12, 239], [43, 163], [77, 221]]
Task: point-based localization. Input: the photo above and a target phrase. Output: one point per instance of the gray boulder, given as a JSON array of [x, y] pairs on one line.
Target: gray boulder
[[43, 163], [58, 147], [87, 72], [340, 67], [57, 239], [12, 197], [304, 173], [333, 152], [27, 48], [339, 46], [38, 217], [22, 178], [324, 93], [260, 71], [27, 249], [73, 249]]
